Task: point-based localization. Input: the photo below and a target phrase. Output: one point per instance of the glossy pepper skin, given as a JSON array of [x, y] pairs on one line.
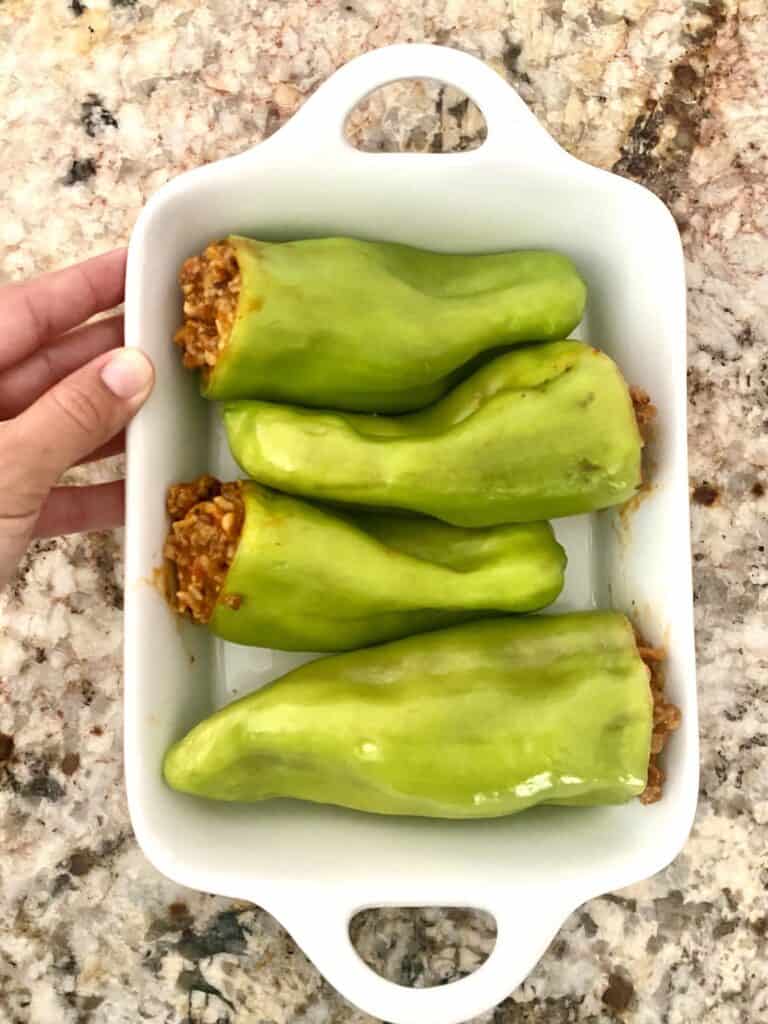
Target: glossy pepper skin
[[543, 431], [476, 721], [310, 579], [378, 327]]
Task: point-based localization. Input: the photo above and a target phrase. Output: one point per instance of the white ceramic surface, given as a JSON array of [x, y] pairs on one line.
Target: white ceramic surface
[[315, 867]]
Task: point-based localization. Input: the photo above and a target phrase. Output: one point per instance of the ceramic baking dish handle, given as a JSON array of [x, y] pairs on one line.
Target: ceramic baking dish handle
[[524, 930], [319, 123]]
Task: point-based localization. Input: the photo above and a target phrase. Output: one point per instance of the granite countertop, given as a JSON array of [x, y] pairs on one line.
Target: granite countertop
[[102, 103]]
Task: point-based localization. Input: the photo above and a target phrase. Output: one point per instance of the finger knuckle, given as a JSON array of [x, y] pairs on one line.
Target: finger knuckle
[[80, 409]]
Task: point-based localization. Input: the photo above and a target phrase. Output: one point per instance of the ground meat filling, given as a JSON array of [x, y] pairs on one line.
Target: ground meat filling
[[206, 522], [666, 719], [211, 287], [645, 411]]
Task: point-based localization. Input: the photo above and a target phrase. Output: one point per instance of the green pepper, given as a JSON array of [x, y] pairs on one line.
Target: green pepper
[[476, 721], [367, 326], [543, 431], [307, 578]]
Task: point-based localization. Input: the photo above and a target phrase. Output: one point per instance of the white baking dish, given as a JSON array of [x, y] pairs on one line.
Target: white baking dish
[[314, 867]]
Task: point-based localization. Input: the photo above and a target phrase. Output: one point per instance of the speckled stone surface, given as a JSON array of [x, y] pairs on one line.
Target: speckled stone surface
[[101, 103]]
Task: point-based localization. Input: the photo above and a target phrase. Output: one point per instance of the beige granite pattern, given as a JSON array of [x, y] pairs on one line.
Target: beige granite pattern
[[104, 101]]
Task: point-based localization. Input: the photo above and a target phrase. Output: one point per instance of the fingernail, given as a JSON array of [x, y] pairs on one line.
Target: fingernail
[[127, 373]]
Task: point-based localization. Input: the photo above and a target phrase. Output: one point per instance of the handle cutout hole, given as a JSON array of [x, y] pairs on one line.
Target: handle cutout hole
[[421, 947], [416, 116]]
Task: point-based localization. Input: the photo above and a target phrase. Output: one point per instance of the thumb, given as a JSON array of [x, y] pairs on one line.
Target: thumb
[[80, 414]]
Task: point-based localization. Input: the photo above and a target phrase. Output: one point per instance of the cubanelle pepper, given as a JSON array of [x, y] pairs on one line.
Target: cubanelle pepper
[[366, 326], [476, 721], [266, 569], [544, 431]]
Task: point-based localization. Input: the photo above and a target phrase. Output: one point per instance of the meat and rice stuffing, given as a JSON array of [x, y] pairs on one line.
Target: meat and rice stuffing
[[210, 284], [206, 522], [645, 411], [666, 719]]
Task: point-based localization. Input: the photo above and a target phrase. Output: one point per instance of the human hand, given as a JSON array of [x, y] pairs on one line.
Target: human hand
[[67, 390]]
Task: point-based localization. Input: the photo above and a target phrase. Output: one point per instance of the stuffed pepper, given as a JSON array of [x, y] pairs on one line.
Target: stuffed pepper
[[367, 326], [477, 721], [543, 431], [266, 569]]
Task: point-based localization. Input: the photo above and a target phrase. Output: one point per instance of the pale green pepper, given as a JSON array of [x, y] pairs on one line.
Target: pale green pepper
[[477, 721], [369, 326], [543, 431], [302, 577]]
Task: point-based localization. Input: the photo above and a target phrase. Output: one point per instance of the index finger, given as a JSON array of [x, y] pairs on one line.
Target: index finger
[[34, 312]]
